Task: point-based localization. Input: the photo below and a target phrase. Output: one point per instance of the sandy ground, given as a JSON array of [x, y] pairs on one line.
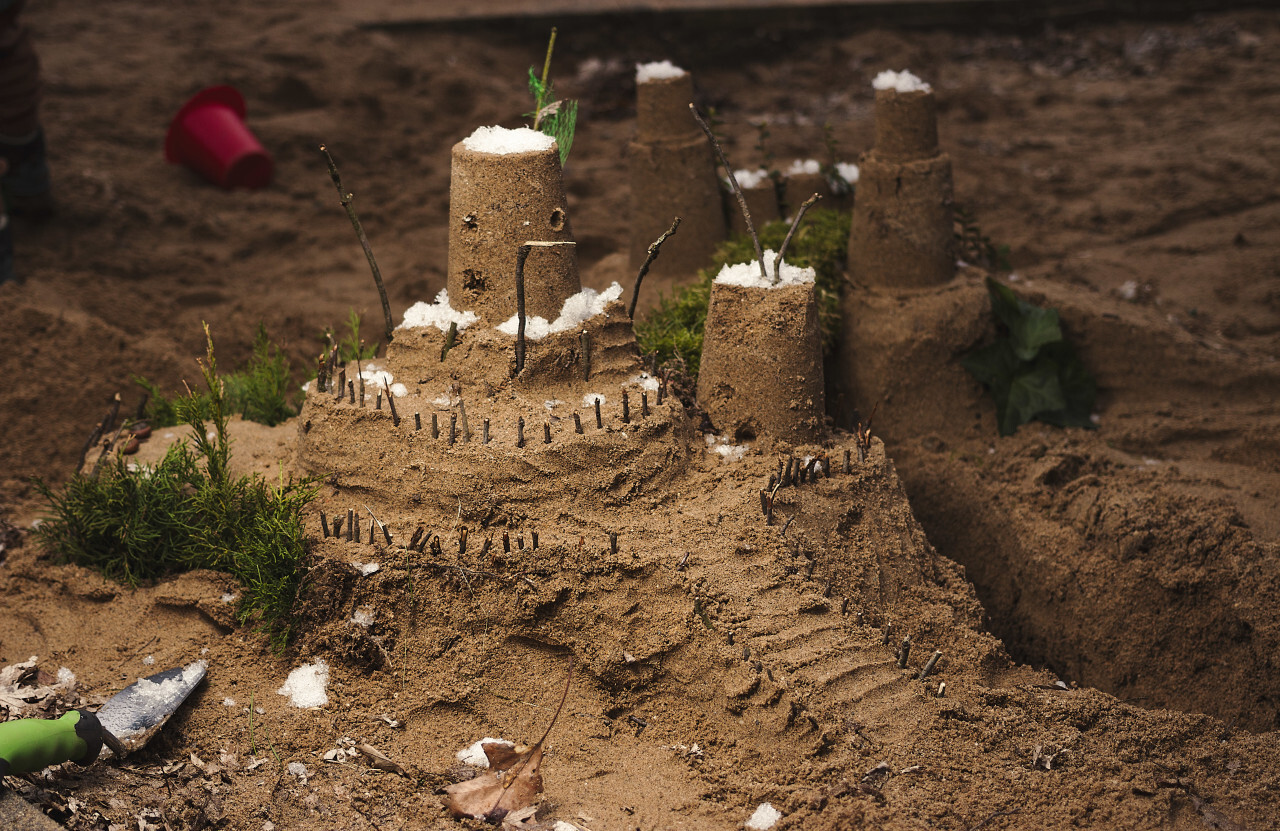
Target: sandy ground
[[720, 662]]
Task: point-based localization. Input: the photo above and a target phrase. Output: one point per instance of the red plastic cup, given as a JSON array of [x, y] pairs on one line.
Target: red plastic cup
[[209, 136]]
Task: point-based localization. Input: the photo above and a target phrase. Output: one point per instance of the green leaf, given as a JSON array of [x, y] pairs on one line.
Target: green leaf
[[1032, 391], [1032, 372], [1030, 327]]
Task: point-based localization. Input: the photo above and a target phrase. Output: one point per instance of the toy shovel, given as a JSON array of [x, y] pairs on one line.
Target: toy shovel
[[125, 723]]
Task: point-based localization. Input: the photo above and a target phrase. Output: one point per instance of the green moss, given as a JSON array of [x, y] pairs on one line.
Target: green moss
[[674, 329], [185, 513]]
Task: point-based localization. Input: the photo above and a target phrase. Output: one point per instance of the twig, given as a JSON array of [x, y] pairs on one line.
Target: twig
[[648, 261], [346, 199], [791, 232], [107, 420], [522, 254], [391, 400], [733, 183]]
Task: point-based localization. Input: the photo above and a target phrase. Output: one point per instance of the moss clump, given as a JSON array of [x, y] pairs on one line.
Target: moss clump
[[674, 329], [188, 512]]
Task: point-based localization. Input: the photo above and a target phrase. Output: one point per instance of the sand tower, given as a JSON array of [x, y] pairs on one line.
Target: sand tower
[[761, 366], [506, 190], [902, 232], [673, 173]]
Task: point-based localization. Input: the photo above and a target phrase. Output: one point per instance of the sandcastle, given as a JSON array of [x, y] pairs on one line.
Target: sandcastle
[[672, 174], [454, 382], [782, 611], [901, 234]]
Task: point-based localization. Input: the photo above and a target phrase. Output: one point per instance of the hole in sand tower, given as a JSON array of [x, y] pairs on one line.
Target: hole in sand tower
[[472, 280], [469, 222], [557, 220], [745, 433]]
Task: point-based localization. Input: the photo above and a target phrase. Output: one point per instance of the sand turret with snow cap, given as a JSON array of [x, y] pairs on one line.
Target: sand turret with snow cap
[[673, 173], [761, 370], [506, 190], [902, 233]]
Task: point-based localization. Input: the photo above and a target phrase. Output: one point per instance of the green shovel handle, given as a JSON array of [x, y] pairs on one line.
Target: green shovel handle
[[28, 745]]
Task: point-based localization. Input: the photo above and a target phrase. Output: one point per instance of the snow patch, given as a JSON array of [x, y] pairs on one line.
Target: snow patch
[[657, 71], [305, 686], [748, 274], [438, 314], [728, 451], [363, 616], [366, 569], [751, 179], [577, 310], [804, 166], [153, 696], [848, 171], [644, 381], [500, 141], [765, 817], [903, 81], [377, 379], [474, 754], [590, 399]]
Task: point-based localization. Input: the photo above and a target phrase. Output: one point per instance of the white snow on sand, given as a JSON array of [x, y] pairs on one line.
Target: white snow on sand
[[751, 179], [474, 754], [748, 274], [375, 377], [765, 817], [577, 310], [804, 166], [902, 81], [500, 141], [438, 314], [657, 71], [305, 686]]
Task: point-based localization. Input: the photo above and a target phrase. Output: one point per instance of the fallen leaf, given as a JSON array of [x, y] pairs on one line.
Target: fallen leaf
[[378, 759], [512, 783]]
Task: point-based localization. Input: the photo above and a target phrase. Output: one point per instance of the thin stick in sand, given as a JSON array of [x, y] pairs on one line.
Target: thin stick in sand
[[648, 261]]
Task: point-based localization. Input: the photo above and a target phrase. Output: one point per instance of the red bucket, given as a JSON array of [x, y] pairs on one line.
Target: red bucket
[[209, 136]]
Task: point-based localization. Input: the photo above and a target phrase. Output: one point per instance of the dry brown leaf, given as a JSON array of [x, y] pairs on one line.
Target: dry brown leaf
[[378, 759], [513, 781]]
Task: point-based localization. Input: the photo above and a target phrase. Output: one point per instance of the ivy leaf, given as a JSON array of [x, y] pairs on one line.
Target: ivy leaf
[[1032, 391], [1030, 327], [1031, 371]]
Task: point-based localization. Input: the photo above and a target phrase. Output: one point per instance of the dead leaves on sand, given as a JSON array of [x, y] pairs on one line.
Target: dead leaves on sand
[[508, 791]]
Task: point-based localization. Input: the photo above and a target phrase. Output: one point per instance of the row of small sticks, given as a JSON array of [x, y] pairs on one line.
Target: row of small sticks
[[454, 433], [793, 472], [421, 538]]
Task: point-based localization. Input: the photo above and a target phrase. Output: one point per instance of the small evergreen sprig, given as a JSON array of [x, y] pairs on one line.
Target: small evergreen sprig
[[188, 512], [554, 117]]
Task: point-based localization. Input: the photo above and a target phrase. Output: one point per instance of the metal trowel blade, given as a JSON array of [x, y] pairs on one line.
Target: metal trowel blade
[[137, 712]]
